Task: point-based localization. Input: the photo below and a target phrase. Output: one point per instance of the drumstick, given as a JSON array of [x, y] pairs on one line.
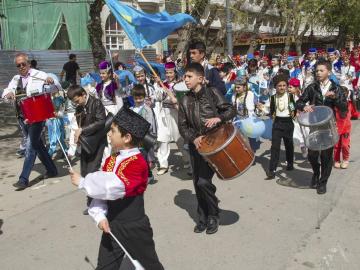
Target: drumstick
[[136, 263], [62, 148]]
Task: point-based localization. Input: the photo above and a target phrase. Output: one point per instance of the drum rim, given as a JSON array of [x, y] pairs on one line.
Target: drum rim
[[240, 173], [224, 145], [326, 120]]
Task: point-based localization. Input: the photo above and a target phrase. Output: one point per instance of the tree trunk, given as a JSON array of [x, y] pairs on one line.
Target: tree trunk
[[96, 33], [341, 38], [299, 38], [185, 34]]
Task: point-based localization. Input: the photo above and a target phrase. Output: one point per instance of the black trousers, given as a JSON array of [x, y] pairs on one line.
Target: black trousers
[[326, 163], [91, 163], [283, 128], [137, 238], [204, 188]]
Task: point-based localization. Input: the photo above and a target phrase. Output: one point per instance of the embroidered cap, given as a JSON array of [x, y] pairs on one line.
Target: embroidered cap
[[104, 65], [132, 122]]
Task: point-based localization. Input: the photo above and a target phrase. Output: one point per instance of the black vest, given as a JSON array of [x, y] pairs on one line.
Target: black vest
[[291, 109]]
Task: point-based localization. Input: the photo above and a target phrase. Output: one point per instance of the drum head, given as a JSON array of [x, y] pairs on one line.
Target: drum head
[[320, 116], [180, 87], [217, 139]]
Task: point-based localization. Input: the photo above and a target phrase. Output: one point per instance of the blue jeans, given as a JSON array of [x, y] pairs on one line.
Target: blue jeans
[[35, 147]]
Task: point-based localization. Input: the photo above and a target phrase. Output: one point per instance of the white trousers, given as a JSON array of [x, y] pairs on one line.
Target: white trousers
[[163, 153]]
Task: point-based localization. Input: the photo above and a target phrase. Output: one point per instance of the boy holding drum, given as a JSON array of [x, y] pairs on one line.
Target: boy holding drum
[[323, 92], [200, 110]]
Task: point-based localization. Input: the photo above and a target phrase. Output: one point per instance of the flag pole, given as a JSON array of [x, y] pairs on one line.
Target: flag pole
[[167, 90]]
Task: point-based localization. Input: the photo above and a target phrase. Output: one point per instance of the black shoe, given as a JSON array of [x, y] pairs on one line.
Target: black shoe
[[213, 225], [270, 175], [86, 212], [290, 167], [199, 228], [321, 189], [47, 175], [20, 185], [314, 181]]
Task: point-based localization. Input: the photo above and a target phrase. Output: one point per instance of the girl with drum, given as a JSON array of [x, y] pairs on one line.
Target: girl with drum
[[166, 113], [282, 109]]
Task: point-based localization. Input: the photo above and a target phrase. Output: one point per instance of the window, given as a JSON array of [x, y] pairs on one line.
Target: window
[[114, 35]]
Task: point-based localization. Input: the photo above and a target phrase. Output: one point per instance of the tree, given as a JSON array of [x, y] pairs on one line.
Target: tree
[[208, 12], [297, 14], [96, 32]]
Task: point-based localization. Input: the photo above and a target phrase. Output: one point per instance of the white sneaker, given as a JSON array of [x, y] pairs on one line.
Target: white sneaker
[[162, 171]]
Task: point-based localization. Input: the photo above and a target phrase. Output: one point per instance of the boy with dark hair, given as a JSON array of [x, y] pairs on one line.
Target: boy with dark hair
[[197, 54], [323, 92], [282, 110], [90, 117], [201, 109], [118, 200]]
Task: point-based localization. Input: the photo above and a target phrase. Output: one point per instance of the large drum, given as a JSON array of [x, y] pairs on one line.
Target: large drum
[[227, 151], [180, 89], [319, 128], [37, 108]]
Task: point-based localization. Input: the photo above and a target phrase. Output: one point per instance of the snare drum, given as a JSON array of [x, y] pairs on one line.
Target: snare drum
[[227, 151], [37, 108]]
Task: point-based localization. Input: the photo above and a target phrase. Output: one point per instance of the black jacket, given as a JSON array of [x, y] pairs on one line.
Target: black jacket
[[313, 95], [212, 75], [91, 117], [196, 108]]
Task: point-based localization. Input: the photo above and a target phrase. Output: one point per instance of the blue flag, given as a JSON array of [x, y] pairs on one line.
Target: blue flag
[[159, 67], [145, 29]]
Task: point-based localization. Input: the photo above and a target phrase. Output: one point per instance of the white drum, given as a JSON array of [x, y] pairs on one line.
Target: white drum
[[180, 89], [319, 128]]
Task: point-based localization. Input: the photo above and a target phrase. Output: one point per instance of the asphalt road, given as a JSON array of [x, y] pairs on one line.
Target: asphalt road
[[278, 224]]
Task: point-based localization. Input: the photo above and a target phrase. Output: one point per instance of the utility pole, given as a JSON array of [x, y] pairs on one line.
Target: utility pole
[[229, 42]]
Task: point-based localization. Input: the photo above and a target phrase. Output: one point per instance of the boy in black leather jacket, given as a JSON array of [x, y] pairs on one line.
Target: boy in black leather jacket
[[200, 110], [323, 92]]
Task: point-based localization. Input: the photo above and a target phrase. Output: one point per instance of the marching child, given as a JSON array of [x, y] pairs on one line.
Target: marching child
[[141, 108], [294, 89], [282, 109], [196, 117], [342, 148], [118, 200]]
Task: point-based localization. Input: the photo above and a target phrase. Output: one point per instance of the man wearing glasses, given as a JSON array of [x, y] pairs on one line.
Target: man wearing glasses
[[29, 82]]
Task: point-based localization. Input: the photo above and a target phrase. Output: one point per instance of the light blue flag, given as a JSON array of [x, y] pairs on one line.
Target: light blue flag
[[160, 67], [145, 29]]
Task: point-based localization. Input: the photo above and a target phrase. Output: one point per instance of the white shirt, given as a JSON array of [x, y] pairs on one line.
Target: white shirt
[[35, 84], [325, 86], [249, 103], [282, 101], [103, 186]]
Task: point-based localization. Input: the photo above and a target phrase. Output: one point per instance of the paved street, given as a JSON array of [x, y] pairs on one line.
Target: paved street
[[273, 225]]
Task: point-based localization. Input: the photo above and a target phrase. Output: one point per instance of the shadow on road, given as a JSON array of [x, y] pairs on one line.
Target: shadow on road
[[186, 200], [296, 179], [1, 223]]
